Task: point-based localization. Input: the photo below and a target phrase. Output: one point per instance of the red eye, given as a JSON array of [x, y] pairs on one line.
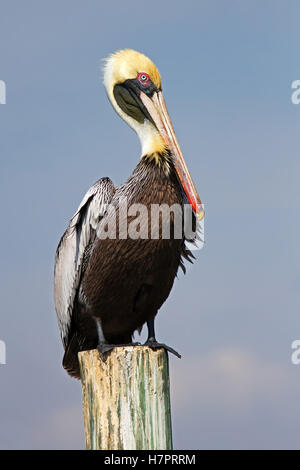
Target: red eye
[[143, 78]]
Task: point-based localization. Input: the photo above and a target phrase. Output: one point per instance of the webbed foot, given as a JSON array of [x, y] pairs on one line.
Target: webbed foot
[[153, 344], [106, 347]]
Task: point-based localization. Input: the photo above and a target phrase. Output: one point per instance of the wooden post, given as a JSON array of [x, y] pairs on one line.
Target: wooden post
[[126, 399]]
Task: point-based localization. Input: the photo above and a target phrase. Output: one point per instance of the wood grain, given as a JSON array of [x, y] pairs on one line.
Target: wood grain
[[126, 399]]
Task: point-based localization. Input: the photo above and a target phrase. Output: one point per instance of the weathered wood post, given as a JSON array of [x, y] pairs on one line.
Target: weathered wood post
[[126, 399]]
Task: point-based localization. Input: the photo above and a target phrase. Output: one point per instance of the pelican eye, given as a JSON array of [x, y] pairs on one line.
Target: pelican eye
[[143, 78]]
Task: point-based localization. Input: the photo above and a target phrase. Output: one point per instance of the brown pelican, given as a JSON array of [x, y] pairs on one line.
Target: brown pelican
[[105, 287]]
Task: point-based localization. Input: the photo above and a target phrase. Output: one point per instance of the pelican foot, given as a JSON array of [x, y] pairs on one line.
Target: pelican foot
[[105, 347], [153, 344]]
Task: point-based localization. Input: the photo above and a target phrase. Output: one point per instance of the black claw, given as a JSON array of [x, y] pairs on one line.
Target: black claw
[[153, 344], [105, 347]]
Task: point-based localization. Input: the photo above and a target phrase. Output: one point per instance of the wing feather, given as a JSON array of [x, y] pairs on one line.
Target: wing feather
[[71, 248]]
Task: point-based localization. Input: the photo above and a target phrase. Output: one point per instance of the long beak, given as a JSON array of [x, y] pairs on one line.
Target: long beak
[[157, 109]]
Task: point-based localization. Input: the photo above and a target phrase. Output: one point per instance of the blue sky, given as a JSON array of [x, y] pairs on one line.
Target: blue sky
[[227, 68]]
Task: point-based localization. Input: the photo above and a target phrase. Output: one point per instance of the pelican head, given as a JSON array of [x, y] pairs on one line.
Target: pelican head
[[133, 85]]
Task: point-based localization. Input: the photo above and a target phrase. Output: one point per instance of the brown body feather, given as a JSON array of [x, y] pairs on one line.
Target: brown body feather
[[126, 281]]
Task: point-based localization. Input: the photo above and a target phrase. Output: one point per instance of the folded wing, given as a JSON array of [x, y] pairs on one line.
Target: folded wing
[[71, 250]]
